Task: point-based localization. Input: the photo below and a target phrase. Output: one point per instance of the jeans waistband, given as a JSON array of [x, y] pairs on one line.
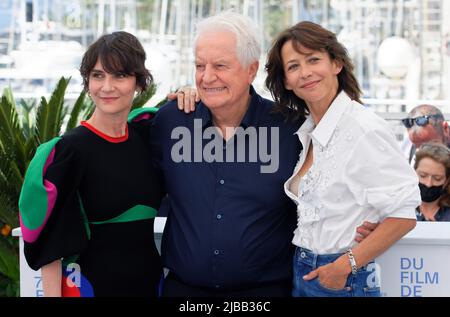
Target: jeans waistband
[[315, 260]]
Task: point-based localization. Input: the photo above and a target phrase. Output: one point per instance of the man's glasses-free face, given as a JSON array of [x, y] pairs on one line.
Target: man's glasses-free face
[[419, 121]]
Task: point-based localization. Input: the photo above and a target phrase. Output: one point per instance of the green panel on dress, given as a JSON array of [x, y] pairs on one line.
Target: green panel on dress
[[140, 111], [138, 212], [33, 200]]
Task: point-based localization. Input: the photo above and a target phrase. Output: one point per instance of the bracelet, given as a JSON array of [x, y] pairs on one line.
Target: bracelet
[[351, 258]]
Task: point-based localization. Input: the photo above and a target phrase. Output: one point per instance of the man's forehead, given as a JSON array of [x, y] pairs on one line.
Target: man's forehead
[[215, 54]]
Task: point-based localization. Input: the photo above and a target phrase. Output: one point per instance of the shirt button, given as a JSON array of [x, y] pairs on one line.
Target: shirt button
[[219, 217], [303, 255], [216, 252], [222, 182]]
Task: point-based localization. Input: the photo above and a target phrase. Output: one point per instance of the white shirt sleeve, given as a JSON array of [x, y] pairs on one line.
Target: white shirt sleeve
[[379, 176]]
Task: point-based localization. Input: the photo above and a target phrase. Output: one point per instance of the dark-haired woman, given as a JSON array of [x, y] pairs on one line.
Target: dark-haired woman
[[90, 197], [350, 169]]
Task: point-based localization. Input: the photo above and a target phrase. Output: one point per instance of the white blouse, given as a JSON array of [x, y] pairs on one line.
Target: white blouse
[[358, 174]]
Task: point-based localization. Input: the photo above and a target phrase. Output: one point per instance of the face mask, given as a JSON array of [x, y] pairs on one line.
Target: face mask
[[430, 194]]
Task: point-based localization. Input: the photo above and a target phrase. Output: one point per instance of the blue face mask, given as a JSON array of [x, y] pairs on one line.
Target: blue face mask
[[430, 194]]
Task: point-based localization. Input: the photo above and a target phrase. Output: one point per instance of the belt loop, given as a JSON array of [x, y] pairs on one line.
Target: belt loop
[[314, 260]]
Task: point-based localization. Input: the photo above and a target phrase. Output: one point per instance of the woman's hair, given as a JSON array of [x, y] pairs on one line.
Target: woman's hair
[[314, 37], [248, 44], [439, 153], [119, 52]]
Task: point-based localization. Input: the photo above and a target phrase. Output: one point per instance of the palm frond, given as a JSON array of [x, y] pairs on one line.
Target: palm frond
[[140, 100], [162, 102], [77, 109], [9, 193], [9, 124], [49, 117], [89, 110], [27, 108], [7, 93], [9, 210], [8, 261], [12, 144]]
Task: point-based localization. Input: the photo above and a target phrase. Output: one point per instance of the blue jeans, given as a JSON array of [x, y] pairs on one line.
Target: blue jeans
[[362, 284]]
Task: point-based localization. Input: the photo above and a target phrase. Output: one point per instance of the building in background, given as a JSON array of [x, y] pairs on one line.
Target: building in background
[[401, 48]]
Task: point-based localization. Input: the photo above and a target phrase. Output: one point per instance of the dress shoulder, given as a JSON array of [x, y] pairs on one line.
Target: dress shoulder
[[141, 120]]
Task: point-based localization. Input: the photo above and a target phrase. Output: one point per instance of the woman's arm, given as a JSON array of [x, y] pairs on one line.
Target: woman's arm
[[382, 238], [334, 275], [51, 279]]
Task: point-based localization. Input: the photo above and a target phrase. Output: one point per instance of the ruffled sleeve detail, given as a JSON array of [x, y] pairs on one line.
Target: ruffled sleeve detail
[[52, 223]]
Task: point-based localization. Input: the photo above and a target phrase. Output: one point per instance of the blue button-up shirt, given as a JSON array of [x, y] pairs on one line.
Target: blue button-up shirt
[[229, 225]]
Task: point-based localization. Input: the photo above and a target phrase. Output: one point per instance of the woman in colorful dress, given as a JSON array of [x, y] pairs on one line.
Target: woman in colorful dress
[[89, 198]]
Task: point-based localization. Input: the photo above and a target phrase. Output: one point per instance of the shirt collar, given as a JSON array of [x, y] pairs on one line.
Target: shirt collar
[[250, 118], [252, 114], [437, 217], [328, 124]]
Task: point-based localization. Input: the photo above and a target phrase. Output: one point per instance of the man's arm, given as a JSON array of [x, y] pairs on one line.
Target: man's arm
[[364, 230]]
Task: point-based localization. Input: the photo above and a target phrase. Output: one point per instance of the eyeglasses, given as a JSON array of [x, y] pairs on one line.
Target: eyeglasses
[[420, 121]]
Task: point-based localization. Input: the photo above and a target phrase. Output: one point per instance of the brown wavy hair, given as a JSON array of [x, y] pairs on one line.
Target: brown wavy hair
[[440, 153], [313, 37], [119, 52]]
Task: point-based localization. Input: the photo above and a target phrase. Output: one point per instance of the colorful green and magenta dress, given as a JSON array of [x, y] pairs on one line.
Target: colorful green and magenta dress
[[90, 200]]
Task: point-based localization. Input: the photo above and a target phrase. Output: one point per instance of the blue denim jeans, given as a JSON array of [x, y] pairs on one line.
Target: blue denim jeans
[[362, 284]]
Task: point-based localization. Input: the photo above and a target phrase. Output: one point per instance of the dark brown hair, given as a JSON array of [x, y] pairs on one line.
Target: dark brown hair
[[311, 36], [440, 153], [119, 52]]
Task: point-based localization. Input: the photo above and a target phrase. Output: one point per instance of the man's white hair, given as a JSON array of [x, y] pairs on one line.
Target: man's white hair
[[248, 43]]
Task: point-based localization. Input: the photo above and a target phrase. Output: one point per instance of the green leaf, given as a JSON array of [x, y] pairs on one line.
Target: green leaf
[[26, 122], [89, 110], [161, 103], [140, 100], [9, 261], [77, 109], [49, 116], [7, 93], [10, 129]]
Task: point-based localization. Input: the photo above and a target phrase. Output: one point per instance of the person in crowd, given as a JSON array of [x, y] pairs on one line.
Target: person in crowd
[[89, 198], [425, 123], [350, 169], [231, 235], [433, 169]]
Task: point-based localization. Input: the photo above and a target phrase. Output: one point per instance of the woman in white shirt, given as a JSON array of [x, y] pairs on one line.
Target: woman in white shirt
[[351, 168]]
